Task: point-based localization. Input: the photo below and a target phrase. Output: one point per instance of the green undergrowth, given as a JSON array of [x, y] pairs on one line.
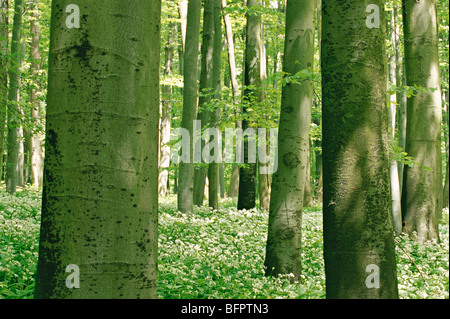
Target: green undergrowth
[[218, 254], [19, 232]]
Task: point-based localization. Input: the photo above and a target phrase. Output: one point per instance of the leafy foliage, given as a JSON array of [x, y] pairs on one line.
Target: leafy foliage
[[19, 230], [218, 254]]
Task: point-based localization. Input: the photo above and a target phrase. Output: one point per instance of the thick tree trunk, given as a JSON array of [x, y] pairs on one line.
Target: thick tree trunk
[[100, 196], [359, 250], [422, 188], [190, 94], [283, 250], [13, 112]]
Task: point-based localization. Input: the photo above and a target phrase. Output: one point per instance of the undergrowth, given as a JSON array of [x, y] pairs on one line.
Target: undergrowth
[[218, 254]]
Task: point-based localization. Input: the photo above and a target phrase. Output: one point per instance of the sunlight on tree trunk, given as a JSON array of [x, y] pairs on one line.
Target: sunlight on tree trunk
[[357, 210], [422, 183], [283, 251]]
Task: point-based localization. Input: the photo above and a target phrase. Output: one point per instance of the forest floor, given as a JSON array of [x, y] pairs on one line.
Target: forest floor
[[218, 254]]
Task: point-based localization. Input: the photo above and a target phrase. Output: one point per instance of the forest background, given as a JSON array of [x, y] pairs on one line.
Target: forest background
[[221, 223]]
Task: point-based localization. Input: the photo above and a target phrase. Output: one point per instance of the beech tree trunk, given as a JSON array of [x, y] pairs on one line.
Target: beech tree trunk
[[190, 94], [206, 92], [307, 194], [359, 251], [233, 188], [422, 183], [213, 169], [166, 117], [37, 152], [100, 196], [283, 250], [3, 76], [13, 110], [445, 194], [392, 110], [252, 94]]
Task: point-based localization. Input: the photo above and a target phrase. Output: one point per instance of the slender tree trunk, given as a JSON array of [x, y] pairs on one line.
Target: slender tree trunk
[[231, 55], [401, 98], [37, 152], [263, 167], [392, 108], [318, 122], [206, 91], [190, 94], [22, 137], [213, 169], [27, 146], [402, 125], [445, 195], [100, 196], [264, 188], [359, 250], [166, 106], [319, 192], [3, 76], [318, 170], [283, 250], [233, 188], [252, 81], [422, 188], [307, 194], [13, 112], [222, 180], [183, 10]]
